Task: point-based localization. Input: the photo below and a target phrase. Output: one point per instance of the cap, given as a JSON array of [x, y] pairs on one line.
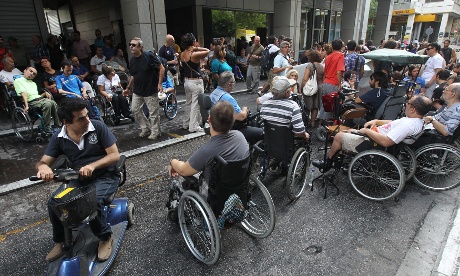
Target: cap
[[282, 84], [12, 38]]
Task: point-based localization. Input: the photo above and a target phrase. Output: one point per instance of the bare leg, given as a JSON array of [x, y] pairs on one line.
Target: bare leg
[[314, 114], [336, 145]]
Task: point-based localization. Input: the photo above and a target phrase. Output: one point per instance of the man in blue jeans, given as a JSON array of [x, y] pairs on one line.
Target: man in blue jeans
[[91, 148]]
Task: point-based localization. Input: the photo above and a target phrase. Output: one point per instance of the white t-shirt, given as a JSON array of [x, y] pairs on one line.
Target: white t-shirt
[[6, 76], [402, 129], [98, 62], [103, 80], [273, 48], [433, 63]]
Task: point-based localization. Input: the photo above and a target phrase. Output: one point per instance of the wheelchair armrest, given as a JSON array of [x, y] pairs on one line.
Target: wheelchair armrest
[[221, 160], [119, 167], [257, 148]]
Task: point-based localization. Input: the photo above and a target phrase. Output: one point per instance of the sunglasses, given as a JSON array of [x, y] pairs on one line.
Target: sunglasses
[[429, 49], [132, 45]]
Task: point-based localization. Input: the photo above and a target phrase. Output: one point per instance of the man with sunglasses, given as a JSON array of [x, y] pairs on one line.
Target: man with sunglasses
[[432, 66], [27, 89], [145, 83], [383, 132]]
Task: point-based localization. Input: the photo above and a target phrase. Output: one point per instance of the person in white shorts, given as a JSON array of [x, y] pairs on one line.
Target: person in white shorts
[[383, 132]]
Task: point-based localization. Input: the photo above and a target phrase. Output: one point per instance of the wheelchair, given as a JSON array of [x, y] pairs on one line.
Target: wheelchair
[[438, 162], [169, 104], [234, 197], [290, 156], [21, 121], [106, 109]]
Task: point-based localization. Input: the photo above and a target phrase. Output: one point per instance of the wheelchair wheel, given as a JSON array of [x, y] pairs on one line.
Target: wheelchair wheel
[[376, 175], [406, 157], [321, 134], [100, 103], [260, 220], [297, 174], [199, 227], [22, 124], [438, 167], [170, 106]]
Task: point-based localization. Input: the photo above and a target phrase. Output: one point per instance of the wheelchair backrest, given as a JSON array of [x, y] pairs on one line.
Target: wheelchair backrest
[[204, 101], [227, 178], [279, 141], [124, 79], [390, 108]]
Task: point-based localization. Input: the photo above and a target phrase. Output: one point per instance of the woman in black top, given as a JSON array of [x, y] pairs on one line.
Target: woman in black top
[[49, 76], [193, 84]]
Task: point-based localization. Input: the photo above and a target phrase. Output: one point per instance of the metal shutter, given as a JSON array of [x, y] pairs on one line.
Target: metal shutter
[[18, 19]]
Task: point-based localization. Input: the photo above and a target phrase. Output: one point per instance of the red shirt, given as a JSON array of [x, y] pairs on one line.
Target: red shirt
[[334, 62]]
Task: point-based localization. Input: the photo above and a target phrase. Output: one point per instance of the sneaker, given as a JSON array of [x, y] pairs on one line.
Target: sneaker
[[154, 136], [144, 133], [105, 250], [260, 93], [198, 129], [320, 164], [55, 253]]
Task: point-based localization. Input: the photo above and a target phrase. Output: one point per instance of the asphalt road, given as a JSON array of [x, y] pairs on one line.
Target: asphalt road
[[357, 236]]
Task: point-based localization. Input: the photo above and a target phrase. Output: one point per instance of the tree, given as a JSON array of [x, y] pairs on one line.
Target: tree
[[371, 20], [223, 23]]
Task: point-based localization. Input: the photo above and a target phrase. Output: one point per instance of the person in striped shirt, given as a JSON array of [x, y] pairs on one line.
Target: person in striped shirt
[[282, 111]]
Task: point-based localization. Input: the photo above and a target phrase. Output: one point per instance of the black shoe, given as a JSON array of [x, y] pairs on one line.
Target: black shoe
[[320, 164], [131, 117]]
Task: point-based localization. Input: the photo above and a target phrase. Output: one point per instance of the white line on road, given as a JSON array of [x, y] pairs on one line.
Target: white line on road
[[449, 259]]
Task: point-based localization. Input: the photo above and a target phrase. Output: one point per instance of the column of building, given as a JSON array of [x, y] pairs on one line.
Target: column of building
[[383, 19], [286, 20]]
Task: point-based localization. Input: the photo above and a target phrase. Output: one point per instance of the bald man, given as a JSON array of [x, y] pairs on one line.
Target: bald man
[[168, 52], [253, 73]]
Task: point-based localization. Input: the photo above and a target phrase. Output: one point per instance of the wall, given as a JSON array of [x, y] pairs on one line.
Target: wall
[[91, 15]]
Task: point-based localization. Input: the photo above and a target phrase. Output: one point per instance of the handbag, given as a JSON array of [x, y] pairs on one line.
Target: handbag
[[311, 87]]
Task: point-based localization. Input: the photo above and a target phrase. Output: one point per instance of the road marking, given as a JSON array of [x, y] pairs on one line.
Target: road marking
[[20, 230], [449, 259], [174, 135], [24, 228]]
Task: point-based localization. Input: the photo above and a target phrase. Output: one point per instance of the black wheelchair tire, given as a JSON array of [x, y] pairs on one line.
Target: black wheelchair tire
[[22, 124], [297, 174], [170, 106]]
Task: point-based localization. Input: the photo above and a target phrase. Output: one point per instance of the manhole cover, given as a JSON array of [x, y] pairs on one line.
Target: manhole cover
[[313, 249]]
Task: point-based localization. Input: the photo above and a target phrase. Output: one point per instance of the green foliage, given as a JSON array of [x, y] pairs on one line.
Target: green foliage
[[225, 23], [371, 21]]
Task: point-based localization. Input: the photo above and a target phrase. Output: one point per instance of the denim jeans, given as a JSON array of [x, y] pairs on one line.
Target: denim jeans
[[106, 185]]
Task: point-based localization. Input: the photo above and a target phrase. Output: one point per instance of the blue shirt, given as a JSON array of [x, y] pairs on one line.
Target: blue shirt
[[220, 94], [217, 67], [108, 52], [419, 81], [168, 83], [353, 61], [71, 84], [81, 71]]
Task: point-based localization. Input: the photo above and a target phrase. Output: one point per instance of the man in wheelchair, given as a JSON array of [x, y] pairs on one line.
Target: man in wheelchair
[[446, 120], [90, 147], [27, 90], [227, 143], [387, 134]]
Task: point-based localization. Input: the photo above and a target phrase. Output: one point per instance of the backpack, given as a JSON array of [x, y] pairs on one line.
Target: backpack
[[271, 61], [264, 61], [231, 58], [155, 60], [311, 87]]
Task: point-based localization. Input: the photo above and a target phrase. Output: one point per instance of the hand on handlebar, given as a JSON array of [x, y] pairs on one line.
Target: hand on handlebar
[[45, 173], [87, 171]]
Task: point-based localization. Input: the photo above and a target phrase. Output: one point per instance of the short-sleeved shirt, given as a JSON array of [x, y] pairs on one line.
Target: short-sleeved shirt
[[145, 77], [280, 61], [220, 94], [22, 85], [167, 52], [433, 63], [79, 71], [418, 81], [70, 84], [375, 97], [81, 49], [6, 76], [167, 83], [108, 52], [217, 67], [104, 81], [333, 63], [283, 112], [402, 130], [230, 146], [90, 149], [255, 51], [449, 117], [354, 62], [96, 61]]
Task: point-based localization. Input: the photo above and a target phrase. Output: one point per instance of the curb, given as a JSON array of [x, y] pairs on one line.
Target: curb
[[25, 183]]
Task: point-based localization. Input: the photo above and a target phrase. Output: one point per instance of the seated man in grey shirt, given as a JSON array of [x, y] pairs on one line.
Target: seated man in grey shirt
[[229, 144]]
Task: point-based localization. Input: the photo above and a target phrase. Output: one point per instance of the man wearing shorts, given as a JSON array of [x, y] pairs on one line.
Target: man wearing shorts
[[383, 132]]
